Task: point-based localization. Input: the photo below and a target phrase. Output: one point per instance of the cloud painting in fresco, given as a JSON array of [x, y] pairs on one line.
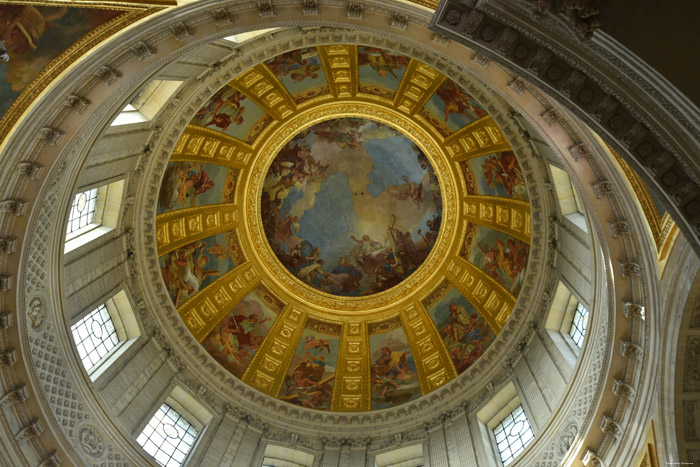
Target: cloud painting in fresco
[[351, 207], [380, 67], [393, 371], [462, 328], [499, 175], [299, 70], [232, 113], [501, 256], [234, 341], [311, 375], [35, 35], [454, 106], [191, 268], [190, 184]]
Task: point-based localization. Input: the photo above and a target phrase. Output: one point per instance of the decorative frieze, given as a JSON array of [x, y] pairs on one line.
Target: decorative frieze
[[622, 389], [610, 426], [142, 50], [8, 357], [51, 135], [180, 30], [107, 74], [310, 7], [633, 310], [265, 9], [355, 10], [628, 349], [77, 103], [222, 16], [399, 21], [31, 430], [7, 245], [619, 227], [18, 394], [630, 268]]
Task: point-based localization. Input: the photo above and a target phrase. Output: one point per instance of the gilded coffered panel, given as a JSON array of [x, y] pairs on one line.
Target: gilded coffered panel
[[391, 254]]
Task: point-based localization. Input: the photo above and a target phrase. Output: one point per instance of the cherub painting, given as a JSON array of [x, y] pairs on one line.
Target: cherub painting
[[381, 67], [463, 330], [393, 371], [299, 70], [32, 36], [231, 112], [453, 106], [501, 257], [189, 184], [234, 341], [311, 375], [498, 175], [192, 267]]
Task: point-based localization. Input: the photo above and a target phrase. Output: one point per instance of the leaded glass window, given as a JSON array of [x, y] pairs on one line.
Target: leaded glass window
[[513, 434], [579, 325], [94, 336], [168, 437], [82, 211]]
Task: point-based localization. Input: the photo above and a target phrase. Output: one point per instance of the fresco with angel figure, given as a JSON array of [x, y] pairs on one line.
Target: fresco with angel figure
[[351, 207]]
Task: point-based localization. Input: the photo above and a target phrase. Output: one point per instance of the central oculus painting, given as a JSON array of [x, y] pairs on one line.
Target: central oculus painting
[[351, 207]]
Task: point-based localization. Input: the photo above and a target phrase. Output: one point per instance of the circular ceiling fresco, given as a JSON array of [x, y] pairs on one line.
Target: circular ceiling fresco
[[343, 228], [351, 206]]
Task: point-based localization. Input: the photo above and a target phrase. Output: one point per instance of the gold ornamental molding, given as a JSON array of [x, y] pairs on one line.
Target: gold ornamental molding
[[418, 84], [433, 363], [493, 301], [204, 311], [341, 70], [175, 229], [480, 137], [199, 144], [104, 5], [353, 384], [268, 369], [262, 87], [511, 216], [306, 295]]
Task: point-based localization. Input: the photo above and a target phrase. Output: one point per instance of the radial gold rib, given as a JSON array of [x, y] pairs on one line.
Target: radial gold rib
[[433, 364], [352, 378], [511, 216], [262, 87], [418, 84], [493, 301], [199, 144], [482, 136], [340, 67], [206, 309], [270, 364], [182, 226]]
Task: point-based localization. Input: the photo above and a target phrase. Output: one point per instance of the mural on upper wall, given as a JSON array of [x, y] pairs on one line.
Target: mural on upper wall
[[451, 108], [497, 175], [393, 371], [311, 376], [194, 266], [300, 71], [501, 256], [378, 67], [189, 184], [234, 341], [351, 207], [32, 36], [464, 331], [232, 113]]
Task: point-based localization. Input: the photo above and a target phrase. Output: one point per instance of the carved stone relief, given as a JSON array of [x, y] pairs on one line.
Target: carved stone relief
[[691, 380]]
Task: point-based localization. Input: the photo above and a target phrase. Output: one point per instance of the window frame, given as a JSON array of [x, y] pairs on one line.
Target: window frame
[[119, 308], [528, 429], [166, 410]]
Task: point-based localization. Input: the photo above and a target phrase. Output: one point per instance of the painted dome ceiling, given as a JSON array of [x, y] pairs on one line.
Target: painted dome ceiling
[[343, 228]]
